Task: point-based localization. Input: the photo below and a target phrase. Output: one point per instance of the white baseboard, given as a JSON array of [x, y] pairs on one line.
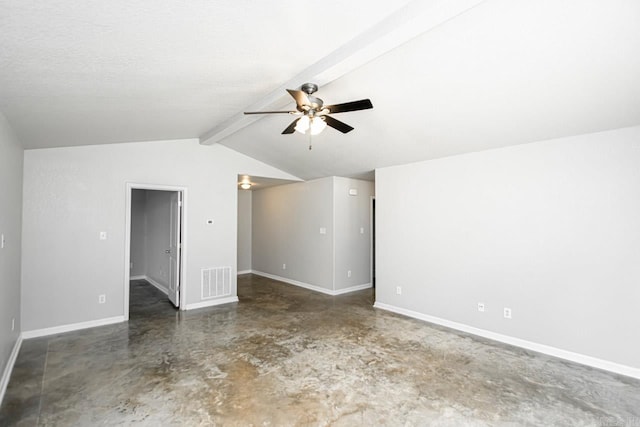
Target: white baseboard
[[72, 327], [245, 272], [211, 303], [153, 282], [529, 345], [6, 374], [157, 285], [312, 287], [294, 282], [352, 289]]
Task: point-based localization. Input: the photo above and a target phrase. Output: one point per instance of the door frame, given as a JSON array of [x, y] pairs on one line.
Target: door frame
[[372, 235], [130, 186]]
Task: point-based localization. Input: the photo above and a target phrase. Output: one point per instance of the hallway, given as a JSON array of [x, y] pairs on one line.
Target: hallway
[[286, 356]]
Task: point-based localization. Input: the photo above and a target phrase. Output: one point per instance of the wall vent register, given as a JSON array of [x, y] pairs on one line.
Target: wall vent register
[[216, 282]]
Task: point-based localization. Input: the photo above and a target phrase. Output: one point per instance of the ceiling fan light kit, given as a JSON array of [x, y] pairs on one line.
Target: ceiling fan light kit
[[317, 125], [302, 125], [314, 125], [314, 115]]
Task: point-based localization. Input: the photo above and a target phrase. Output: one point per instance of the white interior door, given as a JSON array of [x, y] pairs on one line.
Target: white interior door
[[174, 248]]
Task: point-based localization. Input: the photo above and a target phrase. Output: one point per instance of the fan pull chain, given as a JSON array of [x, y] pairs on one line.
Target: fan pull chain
[[309, 140]]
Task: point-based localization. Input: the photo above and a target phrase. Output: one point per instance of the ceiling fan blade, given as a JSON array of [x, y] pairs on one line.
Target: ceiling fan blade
[[337, 124], [291, 128], [300, 97], [270, 112], [363, 104]]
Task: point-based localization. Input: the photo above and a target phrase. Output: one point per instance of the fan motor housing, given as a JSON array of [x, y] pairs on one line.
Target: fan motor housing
[[309, 88]]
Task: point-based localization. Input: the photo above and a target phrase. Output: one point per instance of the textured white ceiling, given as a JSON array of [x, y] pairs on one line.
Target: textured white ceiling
[[92, 71], [505, 72]]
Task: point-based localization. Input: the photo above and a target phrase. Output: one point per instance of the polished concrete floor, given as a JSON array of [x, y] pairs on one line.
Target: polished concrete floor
[[285, 356]]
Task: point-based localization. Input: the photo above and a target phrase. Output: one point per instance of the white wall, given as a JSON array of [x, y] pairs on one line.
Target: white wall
[[157, 235], [286, 230], [549, 229], [138, 226], [244, 230], [352, 248], [11, 163], [73, 193]]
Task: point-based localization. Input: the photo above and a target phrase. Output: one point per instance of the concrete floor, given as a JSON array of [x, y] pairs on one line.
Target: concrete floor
[[287, 356]]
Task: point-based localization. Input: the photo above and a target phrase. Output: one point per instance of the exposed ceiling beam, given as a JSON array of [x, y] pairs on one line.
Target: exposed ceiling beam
[[413, 19]]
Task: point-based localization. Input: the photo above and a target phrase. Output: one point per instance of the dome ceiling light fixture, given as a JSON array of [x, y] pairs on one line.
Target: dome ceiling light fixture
[[246, 183]]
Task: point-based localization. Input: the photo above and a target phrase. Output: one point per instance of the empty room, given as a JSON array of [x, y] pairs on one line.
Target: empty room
[[420, 212]]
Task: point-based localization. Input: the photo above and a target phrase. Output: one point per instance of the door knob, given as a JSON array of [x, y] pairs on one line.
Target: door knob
[[167, 251]]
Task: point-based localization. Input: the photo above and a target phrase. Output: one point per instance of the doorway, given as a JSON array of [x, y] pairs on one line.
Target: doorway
[[155, 246], [373, 242]]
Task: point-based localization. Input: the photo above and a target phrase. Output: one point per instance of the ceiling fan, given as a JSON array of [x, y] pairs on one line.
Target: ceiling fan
[[314, 114]]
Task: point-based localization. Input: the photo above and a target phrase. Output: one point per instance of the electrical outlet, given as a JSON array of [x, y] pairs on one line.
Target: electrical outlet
[[284, 266], [2, 241], [481, 307], [507, 313], [102, 298], [349, 273], [398, 290]]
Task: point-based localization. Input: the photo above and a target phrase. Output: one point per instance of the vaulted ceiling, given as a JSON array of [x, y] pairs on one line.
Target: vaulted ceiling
[[445, 77]]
